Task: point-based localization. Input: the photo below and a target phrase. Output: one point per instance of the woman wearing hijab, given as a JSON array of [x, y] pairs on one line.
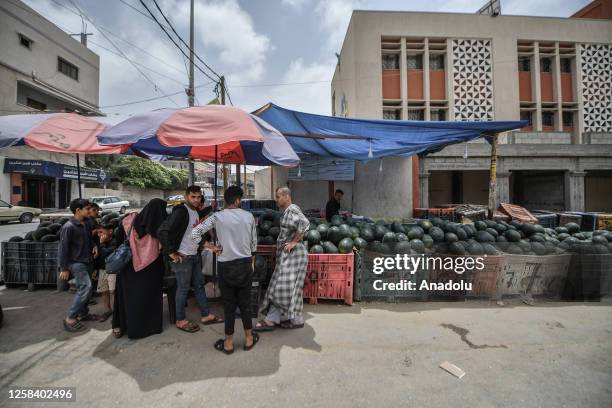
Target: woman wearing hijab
[[138, 299]]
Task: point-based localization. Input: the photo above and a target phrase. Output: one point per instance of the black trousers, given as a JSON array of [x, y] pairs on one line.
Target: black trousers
[[235, 279]]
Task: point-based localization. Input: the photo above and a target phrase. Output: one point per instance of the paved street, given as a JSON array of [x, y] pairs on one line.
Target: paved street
[[549, 355]]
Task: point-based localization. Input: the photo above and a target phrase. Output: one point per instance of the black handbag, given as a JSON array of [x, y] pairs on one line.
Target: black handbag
[[120, 257]]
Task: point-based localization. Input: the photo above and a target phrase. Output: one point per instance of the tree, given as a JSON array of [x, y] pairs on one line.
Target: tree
[[143, 173]]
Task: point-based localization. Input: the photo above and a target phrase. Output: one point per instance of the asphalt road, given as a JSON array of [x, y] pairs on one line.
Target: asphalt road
[[552, 354]]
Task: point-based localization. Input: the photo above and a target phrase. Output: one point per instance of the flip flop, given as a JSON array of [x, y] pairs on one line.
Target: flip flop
[[189, 327], [117, 334], [90, 317], [262, 326], [220, 346], [289, 326], [73, 327], [255, 340], [216, 320], [104, 317]]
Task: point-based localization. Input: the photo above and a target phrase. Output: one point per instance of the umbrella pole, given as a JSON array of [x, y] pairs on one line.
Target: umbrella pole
[[493, 176], [78, 157], [214, 209]]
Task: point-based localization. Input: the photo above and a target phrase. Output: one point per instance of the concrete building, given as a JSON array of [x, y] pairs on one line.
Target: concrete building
[[42, 69], [554, 72]]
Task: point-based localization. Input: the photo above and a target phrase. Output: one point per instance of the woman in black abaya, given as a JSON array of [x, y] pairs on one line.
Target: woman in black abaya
[[138, 300]]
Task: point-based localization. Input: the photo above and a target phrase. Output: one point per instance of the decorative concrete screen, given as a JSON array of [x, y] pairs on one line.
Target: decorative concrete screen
[[472, 80], [597, 87]]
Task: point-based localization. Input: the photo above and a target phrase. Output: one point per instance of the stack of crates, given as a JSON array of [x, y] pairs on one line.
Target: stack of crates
[[329, 276], [31, 263], [546, 219]]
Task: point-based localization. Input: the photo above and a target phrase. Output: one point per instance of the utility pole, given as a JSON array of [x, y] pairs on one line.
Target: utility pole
[[222, 82], [191, 90]]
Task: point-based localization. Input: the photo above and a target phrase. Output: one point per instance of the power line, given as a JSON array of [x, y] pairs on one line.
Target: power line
[[181, 39], [153, 98], [122, 53], [173, 41]]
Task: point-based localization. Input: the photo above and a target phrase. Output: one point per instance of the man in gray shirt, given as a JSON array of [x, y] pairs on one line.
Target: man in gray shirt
[[237, 234]]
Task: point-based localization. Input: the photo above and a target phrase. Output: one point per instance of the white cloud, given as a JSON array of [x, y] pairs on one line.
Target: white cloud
[[225, 27], [296, 4], [335, 16]]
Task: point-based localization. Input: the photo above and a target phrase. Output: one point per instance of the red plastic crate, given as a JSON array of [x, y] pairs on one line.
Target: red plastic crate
[[419, 213], [266, 249], [329, 276]]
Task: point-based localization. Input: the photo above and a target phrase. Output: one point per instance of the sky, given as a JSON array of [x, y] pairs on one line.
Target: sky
[[269, 50]]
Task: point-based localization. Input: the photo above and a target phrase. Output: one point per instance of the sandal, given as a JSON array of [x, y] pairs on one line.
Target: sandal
[[262, 326], [189, 327], [73, 327], [220, 345], [104, 317], [214, 320], [117, 333], [255, 340], [288, 325], [89, 317]]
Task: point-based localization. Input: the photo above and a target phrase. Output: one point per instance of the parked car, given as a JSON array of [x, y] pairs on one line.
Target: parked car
[[175, 200], [111, 203], [16, 212]]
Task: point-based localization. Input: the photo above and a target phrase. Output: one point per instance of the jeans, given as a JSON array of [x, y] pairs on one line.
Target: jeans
[[189, 274], [79, 307], [236, 295]]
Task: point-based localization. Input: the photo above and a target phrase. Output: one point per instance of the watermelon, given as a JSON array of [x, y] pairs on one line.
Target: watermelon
[[572, 228], [500, 228], [450, 227], [512, 236], [380, 231], [385, 248], [437, 221], [514, 249], [64, 220], [276, 220], [316, 249], [55, 227], [322, 230], [336, 220], [29, 236], [313, 237], [360, 243], [44, 224], [16, 239], [345, 231], [402, 247], [368, 234], [484, 236], [501, 238], [461, 234], [489, 249], [260, 239], [492, 231], [345, 246], [397, 227], [449, 237], [537, 238], [268, 240], [415, 233], [476, 248], [417, 246], [401, 237], [524, 245], [355, 232], [389, 237], [437, 234], [600, 239], [274, 231], [538, 248], [561, 230], [562, 236], [334, 235], [265, 226], [49, 238], [480, 225], [427, 241], [456, 248], [425, 224], [41, 232], [329, 247]]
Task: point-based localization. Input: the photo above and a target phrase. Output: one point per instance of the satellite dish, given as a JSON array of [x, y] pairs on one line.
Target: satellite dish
[[491, 7]]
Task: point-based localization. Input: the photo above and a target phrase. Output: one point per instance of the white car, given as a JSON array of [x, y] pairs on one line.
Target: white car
[[111, 203], [10, 212]]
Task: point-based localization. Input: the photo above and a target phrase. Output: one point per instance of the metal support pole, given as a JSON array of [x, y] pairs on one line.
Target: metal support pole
[[493, 177], [191, 90], [78, 157]]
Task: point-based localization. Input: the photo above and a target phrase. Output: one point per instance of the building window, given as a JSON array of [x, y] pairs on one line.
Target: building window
[[390, 61], [25, 41], [416, 114], [524, 64], [528, 116], [414, 62], [548, 119], [566, 65], [438, 115], [67, 68], [436, 62], [391, 114], [33, 103], [568, 119], [545, 65]]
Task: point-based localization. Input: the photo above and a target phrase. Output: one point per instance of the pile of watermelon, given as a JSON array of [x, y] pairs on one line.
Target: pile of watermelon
[[438, 236], [50, 232]]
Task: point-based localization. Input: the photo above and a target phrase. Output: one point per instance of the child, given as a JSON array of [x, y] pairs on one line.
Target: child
[[106, 282]]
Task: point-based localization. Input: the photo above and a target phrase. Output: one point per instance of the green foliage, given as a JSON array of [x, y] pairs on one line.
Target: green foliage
[[143, 173]]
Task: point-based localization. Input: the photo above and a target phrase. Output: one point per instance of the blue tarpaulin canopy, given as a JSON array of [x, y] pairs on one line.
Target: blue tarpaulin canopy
[[366, 139]]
